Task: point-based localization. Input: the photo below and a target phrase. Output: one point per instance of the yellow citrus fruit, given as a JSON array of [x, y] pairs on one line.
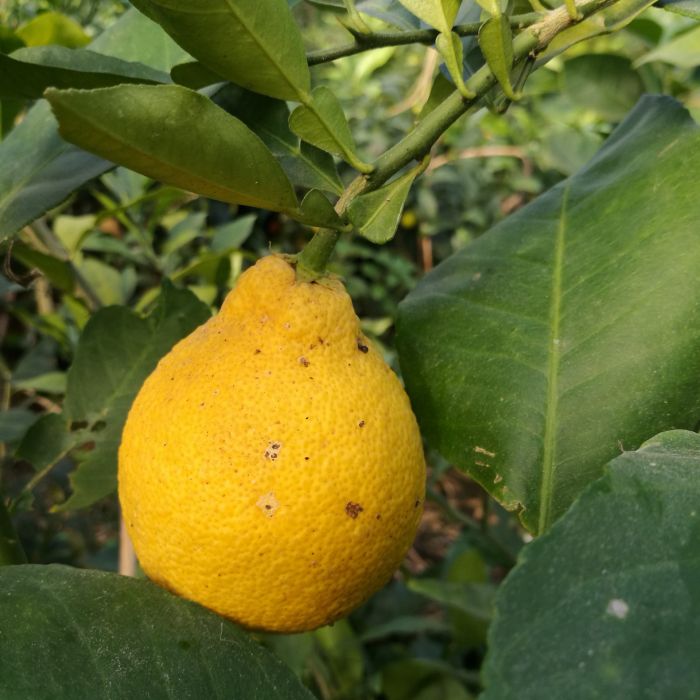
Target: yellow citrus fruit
[[271, 468]]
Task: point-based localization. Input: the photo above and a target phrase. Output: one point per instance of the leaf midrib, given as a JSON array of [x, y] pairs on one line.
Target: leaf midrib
[[553, 358]]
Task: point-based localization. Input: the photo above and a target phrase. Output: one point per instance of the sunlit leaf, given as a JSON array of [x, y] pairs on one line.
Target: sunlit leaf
[[324, 127], [38, 170], [253, 43], [53, 28], [564, 324], [440, 14], [177, 136], [376, 214]]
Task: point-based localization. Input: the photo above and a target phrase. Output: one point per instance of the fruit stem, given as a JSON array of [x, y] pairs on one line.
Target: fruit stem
[[311, 262]]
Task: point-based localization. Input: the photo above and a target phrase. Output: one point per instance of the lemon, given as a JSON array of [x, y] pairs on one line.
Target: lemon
[[271, 468]]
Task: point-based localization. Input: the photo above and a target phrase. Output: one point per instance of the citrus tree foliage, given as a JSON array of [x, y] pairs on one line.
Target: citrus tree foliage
[[561, 340]]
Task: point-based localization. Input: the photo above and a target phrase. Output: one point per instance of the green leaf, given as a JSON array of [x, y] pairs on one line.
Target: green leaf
[[604, 83], [440, 14], [116, 352], [442, 88], [408, 625], [687, 8], [422, 679], [493, 7], [232, 235], [564, 323], [14, 423], [9, 41], [316, 210], [53, 28], [28, 72], [342, 654], [50, 383], [389, 11], [606, 21], [496, 44], [376, 214], [324, 124], [177, 136], [682, 51], [450, 48], [48, 440], [306, 165], [253, 43], [475, 599], [38, 170], [57, 271], [605, 604], [95, 634], [194, 75]]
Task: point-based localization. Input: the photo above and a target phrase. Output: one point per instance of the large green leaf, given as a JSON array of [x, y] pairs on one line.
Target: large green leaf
[[177, 136], [253, 43], [116, 352], [28, 72], [98, 635], [605, 605], [572, 327], [38, 170]]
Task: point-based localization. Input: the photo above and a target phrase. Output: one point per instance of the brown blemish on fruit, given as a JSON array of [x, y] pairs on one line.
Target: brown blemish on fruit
[[273, 451], [361, 424], [304, 362], [361, 346], [417, 503], [353, 509], [268, 504], [257, 351], [379, 516]]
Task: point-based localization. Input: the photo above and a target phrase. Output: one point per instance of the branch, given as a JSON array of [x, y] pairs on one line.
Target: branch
[[311, 262], [378, 40], [418, 142]]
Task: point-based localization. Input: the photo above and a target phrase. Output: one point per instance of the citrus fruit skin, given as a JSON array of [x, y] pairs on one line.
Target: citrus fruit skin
[[271, 467]]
